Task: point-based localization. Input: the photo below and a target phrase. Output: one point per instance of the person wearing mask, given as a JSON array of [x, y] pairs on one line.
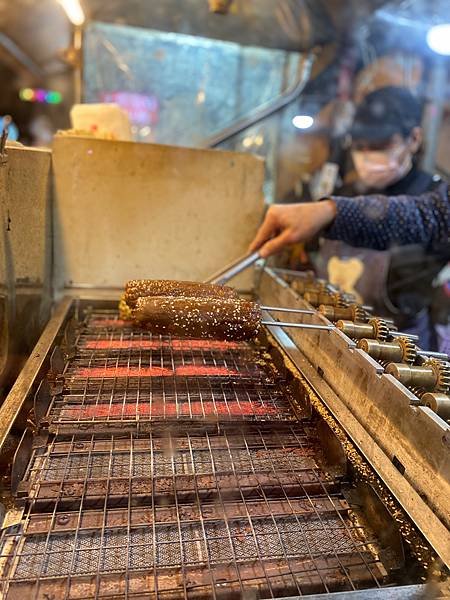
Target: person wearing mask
[[385, 139]]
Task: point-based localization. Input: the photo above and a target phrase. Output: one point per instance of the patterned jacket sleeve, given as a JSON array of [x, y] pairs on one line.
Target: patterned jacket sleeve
[[379, 222]]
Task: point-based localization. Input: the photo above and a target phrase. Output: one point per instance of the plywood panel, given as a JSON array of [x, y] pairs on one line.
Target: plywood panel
[[126, 210]]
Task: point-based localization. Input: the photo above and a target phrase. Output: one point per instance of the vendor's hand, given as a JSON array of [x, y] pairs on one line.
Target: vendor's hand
[[290, 223]]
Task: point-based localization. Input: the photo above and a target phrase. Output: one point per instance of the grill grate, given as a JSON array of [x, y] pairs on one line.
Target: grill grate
[[237, 463], [106, 352], [130, 402], [186, 484], [123, 378], [263, 540], [219, 542], [164, 363]]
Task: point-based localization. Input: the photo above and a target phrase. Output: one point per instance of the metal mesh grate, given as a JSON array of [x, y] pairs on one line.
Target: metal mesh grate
[[132, 353], [262, 540], [128, 401], [240, 509], [162, 363], [124, 377], [94, 458], [209, 465], [158, 399], [184, 545]]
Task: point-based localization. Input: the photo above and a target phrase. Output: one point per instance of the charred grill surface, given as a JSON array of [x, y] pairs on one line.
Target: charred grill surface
[[177, 468]]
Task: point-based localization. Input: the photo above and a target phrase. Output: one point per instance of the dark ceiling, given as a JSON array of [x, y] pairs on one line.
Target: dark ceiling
[[34, 33], [39, 28]]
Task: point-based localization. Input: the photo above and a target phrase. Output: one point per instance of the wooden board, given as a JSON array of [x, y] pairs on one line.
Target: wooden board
[[126, 210]]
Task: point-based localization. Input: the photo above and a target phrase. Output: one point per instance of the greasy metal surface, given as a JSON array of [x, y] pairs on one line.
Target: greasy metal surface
[[219, 510], [405, 592], [373, 408], [25, 257], [235, 462], [10, 409], [189, 552]]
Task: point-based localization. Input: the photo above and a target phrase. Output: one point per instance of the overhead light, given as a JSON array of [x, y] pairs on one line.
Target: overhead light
[[74, 11], [145, 131], [39, 95], [302, 121], [438, 39], [201, 96]]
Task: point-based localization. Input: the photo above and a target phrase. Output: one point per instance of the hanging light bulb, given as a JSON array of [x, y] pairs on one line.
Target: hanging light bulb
[[302, 121], [74, 11], [438, 39]]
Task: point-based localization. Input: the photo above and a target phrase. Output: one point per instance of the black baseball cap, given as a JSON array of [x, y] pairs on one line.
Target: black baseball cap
[[385, 112]]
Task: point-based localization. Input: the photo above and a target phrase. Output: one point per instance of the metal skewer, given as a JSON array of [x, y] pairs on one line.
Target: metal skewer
[[333, 327], [409, 336], [300, 311], [298, 325], [431, 354]]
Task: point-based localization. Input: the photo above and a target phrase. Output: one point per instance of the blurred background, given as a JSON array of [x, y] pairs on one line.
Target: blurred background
[[198, 73]]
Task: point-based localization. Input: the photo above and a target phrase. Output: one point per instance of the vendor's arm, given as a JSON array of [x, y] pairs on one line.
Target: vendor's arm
[[374, 221], [379, 222]]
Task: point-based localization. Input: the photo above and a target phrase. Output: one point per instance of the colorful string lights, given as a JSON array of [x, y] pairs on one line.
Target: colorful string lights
[[41, 96]]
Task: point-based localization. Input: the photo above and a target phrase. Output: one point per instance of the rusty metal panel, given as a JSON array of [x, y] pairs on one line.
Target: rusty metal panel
[[25, 255]]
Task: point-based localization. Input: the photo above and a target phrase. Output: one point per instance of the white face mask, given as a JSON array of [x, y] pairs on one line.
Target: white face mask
[[378, 169]]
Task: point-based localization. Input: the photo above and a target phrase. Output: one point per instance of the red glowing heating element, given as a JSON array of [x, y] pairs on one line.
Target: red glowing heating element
[[119, 323], [161, 409], [183, 370], [159, 344]]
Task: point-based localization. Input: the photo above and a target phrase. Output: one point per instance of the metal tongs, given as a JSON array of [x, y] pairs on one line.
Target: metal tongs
[[237, 266]]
